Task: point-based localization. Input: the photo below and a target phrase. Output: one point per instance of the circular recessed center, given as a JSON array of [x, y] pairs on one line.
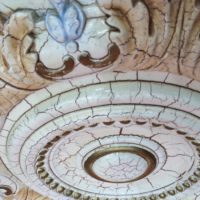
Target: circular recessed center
[[120, 164]]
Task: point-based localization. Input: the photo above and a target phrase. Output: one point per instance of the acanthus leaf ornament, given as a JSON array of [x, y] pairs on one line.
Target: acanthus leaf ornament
[[26, 194], [6, 190], [51, 74], [68, 23], [113, 53], [29, 37], [32, 38], [66, 26]]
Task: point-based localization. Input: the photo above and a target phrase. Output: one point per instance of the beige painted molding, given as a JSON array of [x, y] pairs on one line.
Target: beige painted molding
[[73, 68], [130, 35], [26, 194]]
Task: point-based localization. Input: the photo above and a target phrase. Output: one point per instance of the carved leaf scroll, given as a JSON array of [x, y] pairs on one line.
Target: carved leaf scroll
[[17, 63], [159, 35], [26, 194]]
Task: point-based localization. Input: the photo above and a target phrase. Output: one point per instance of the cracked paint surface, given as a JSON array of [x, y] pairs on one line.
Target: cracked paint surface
[[47, 134], [120, 167], [64, 122], [166, 39]]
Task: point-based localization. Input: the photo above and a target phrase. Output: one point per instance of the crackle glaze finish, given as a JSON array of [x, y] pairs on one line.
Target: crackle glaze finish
[[99, 99]]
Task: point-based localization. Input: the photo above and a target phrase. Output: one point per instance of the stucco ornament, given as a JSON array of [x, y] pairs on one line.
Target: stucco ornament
[[68, 24], [99, 99], [77, 139], [76, 30], [57, 42]]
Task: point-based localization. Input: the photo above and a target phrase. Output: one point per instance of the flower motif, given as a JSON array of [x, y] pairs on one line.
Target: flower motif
[[68, 23]]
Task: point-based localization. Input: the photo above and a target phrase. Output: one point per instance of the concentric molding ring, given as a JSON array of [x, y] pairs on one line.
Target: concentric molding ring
[[105, 98], [147, 156], [179, 188]]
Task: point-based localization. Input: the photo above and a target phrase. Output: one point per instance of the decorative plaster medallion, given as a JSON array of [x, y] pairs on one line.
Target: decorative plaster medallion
[[124, 134], [112, 135]]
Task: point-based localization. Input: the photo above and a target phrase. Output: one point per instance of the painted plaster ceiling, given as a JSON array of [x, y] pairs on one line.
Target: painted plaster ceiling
[[100, 99]]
